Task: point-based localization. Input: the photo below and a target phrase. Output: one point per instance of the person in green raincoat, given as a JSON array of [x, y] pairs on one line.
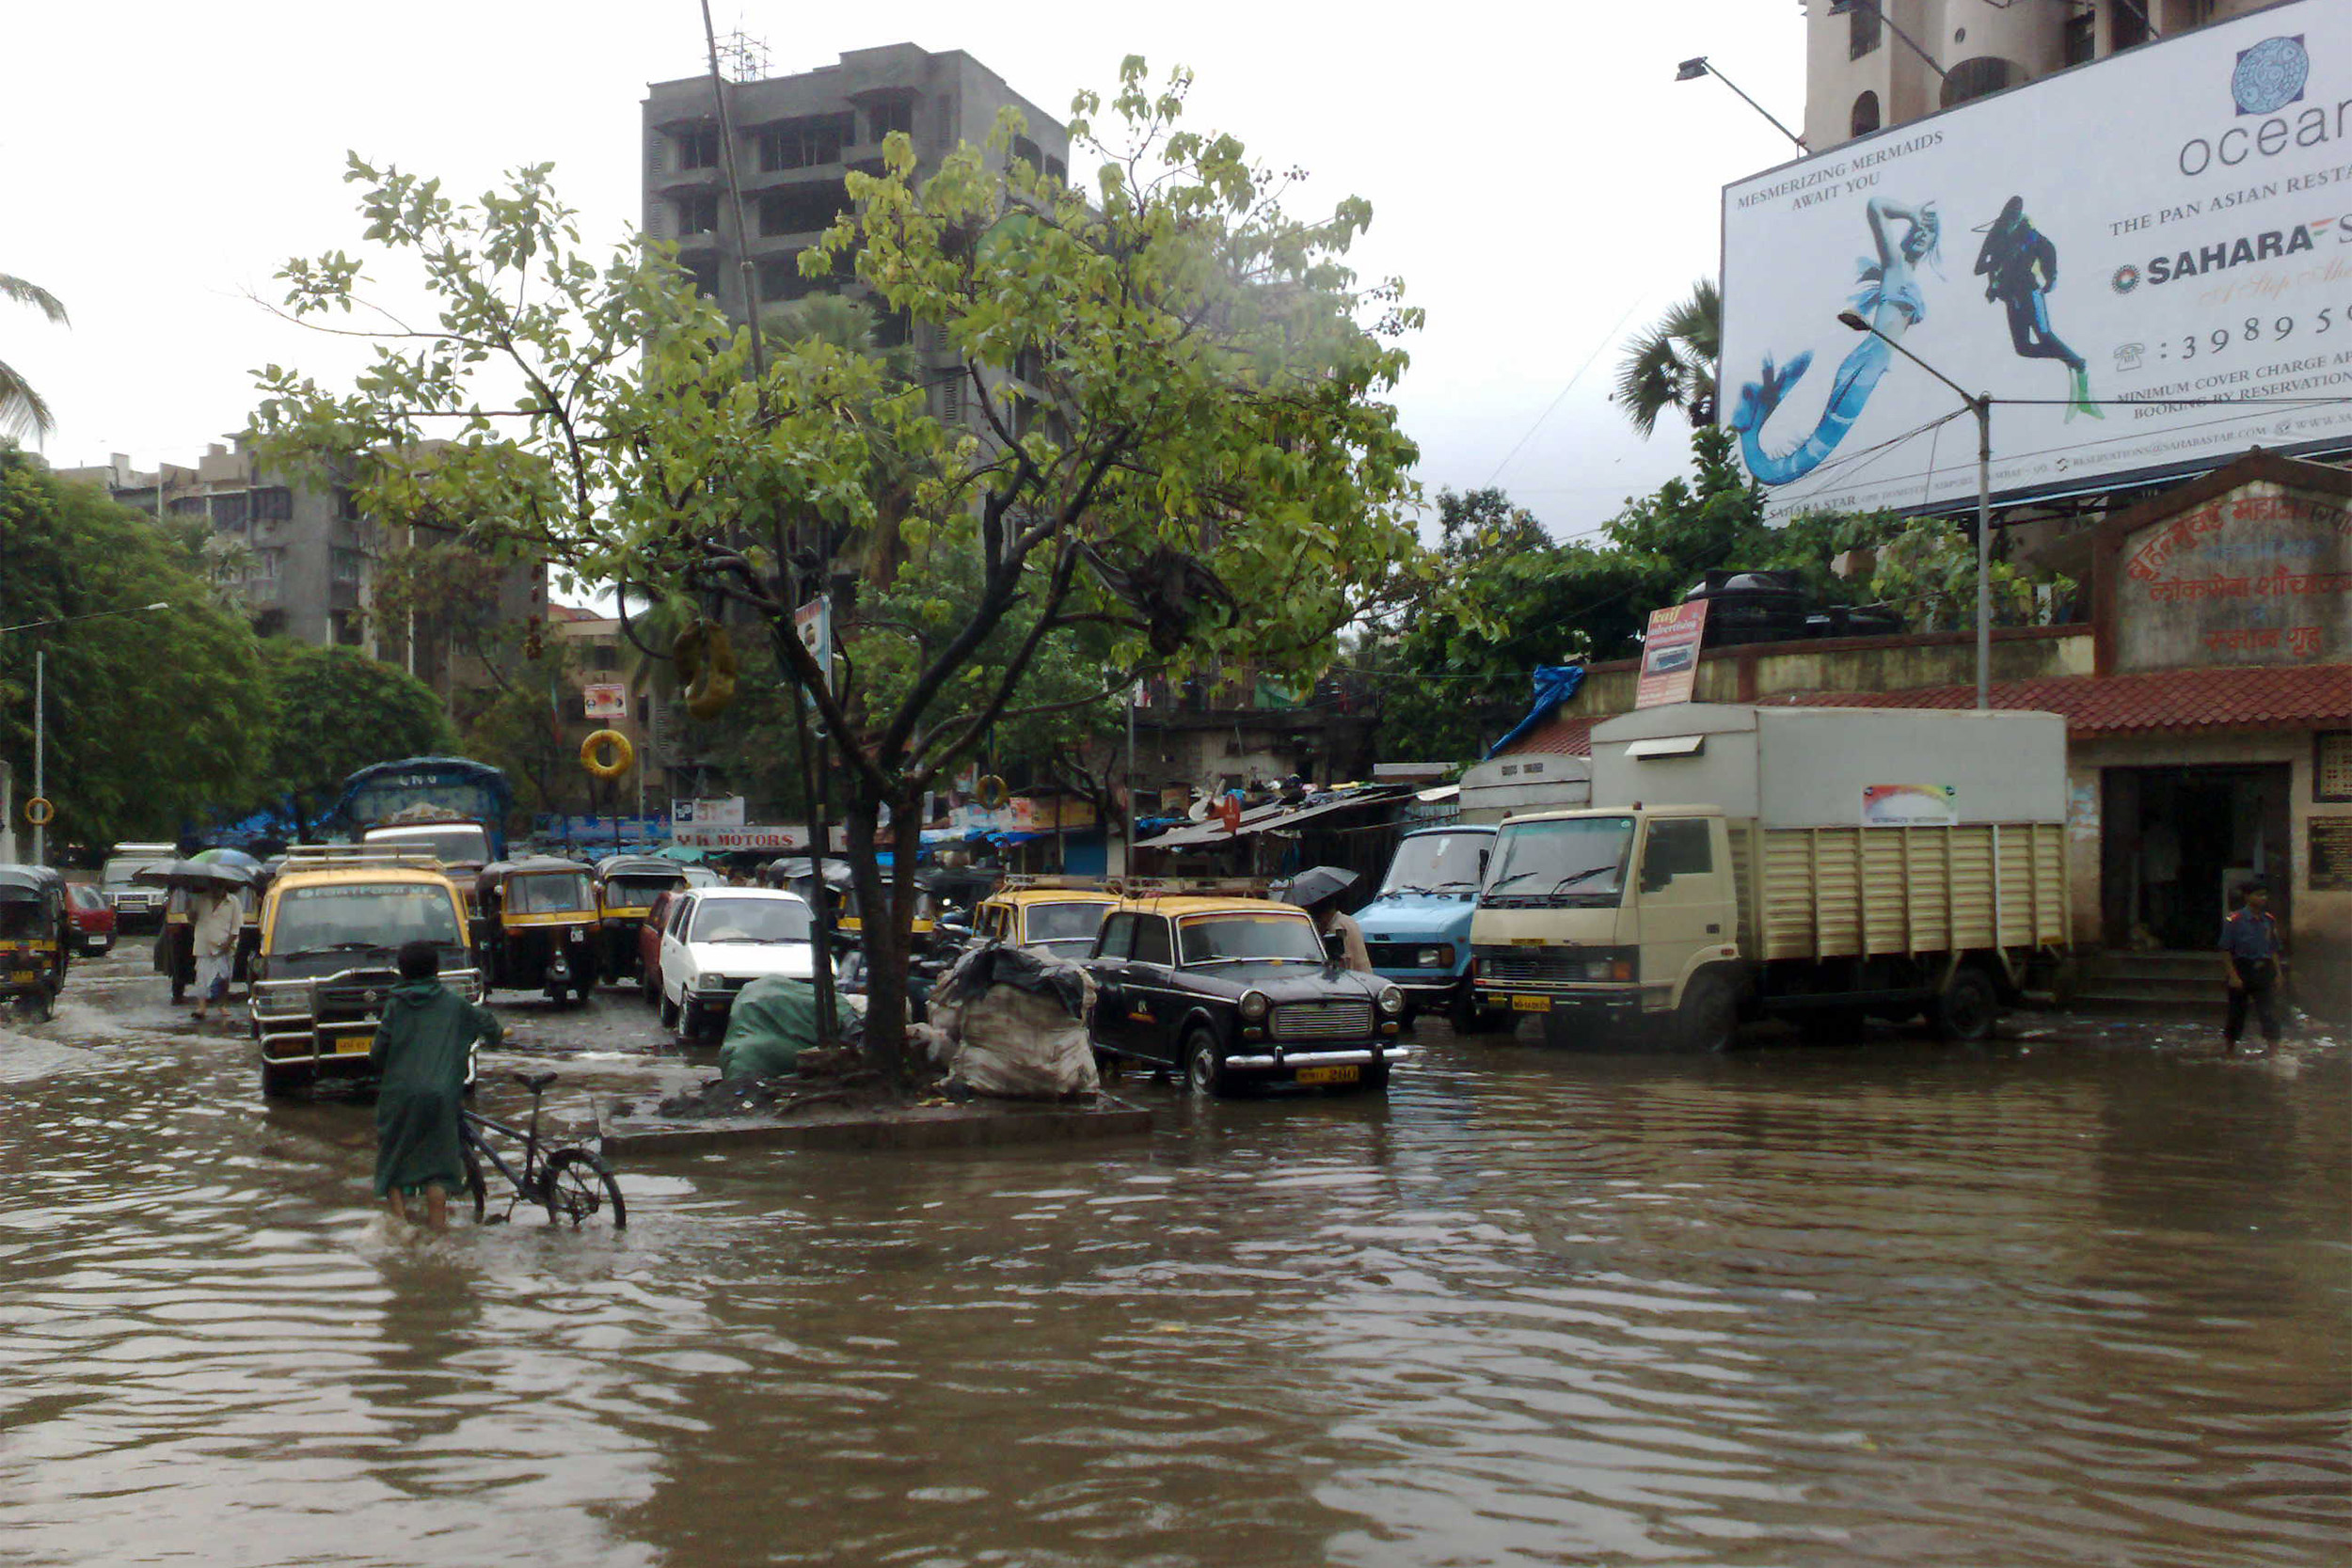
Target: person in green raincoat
[[422, 1049]]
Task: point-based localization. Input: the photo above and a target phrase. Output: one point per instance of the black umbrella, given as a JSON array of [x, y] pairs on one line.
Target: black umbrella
[[1318, 884], [193, 874]]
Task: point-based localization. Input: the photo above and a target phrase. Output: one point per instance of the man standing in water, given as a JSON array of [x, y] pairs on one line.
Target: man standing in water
[[2252, 954], [421, 1049], [2019, 265]]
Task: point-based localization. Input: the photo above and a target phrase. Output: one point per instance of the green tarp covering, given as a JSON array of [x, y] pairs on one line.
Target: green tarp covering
[[774, 1020]]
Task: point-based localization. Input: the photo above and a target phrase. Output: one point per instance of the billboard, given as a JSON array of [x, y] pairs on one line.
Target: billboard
[[604, 700], [1670, 654], [2146, 263]]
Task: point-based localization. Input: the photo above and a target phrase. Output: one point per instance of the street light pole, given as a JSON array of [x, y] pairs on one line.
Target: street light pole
[[1980, 404], [40, 702]]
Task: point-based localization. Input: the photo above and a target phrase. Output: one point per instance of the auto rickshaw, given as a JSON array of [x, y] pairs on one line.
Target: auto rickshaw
[[539, 928], [627, 885], [32, 937], [796, 875]]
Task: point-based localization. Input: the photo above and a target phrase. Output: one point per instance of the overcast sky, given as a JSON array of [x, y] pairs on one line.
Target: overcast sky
[[1537, 176]]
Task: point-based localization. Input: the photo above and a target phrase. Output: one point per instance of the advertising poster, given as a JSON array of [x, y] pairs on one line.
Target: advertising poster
[[605, 700], [1670, 654], [2146, 261], [1912, 805]]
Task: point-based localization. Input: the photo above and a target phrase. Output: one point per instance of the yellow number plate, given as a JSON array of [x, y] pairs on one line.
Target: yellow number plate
[[1531, 1003], [1330, 1074], [353, 1045], [23, 976]]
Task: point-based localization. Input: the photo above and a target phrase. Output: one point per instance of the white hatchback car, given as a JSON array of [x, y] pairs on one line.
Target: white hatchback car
[[716, 941]]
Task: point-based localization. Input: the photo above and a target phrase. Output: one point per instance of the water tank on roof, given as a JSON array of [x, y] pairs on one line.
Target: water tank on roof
[[1751, 606]]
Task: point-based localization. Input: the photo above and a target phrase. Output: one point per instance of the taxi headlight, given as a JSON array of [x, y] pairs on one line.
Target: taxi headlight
[[1254, 1005], [1392, 1000]]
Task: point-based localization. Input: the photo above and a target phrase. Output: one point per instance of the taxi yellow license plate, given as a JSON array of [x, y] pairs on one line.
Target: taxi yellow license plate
[[1330, 1074], [353, 1045], [23, 976], [1531, 1003]]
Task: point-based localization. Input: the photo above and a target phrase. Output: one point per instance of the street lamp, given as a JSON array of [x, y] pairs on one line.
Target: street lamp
[[41, 704], [1696, 66], [1981, 405]]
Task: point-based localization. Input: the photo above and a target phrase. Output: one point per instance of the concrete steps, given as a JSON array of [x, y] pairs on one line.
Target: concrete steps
[[2151, 985]]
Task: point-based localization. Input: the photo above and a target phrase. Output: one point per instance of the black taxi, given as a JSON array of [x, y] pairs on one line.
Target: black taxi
[[1234, 992]]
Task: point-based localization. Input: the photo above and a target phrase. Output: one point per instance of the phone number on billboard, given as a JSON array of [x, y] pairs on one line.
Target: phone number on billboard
[[2205, 343]]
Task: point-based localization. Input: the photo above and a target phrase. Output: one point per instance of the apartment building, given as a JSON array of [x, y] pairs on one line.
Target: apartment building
[[1869, 64], [796, 138]]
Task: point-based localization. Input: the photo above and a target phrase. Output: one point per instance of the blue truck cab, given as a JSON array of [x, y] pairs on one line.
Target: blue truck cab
[[1418, 928]]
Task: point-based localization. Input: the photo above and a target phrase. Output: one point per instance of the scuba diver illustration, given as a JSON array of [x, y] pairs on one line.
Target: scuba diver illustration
[[1890, 298], [2020, 266]]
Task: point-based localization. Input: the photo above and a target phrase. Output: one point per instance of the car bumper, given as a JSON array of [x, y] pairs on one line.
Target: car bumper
[[1428, 990], [1325, 1064]]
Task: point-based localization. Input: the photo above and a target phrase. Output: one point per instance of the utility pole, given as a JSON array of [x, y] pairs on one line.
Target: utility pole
[[1128, 782], [40, 749]]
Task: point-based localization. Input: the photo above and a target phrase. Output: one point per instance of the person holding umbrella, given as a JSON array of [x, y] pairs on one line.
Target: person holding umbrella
[[220, 921], [1317, 890]]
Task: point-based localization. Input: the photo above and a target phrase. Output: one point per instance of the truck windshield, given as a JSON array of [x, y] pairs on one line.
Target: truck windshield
[[451, 845], [119, 871], [1574, 859], [1437, 863], [364, 915]]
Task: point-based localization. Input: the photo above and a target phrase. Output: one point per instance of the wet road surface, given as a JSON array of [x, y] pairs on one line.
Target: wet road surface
[[2064, 1301]]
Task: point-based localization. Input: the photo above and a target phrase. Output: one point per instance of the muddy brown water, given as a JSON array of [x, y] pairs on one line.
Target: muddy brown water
[[2045, 1303]]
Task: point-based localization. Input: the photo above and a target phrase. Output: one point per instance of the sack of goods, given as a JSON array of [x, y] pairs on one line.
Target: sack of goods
[[1018, 1020]]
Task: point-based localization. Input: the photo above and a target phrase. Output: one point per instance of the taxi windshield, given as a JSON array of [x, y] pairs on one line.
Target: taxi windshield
[[1249, 938], [364, 915], [550, 892], [1065, 922]]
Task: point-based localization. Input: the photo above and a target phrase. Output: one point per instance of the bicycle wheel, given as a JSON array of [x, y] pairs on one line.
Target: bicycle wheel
[[579, 1187]]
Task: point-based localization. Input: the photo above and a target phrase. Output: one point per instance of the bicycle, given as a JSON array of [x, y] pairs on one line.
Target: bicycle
[[571, 1183]]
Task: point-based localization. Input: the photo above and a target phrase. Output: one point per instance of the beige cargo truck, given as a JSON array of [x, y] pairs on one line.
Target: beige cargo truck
[[1822, 864]]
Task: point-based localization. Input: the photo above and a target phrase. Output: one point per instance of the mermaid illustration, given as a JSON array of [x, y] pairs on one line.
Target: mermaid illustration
[[1890, 298]]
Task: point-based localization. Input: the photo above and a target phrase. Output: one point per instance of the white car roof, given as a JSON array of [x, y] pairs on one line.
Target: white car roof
[[765, 895]]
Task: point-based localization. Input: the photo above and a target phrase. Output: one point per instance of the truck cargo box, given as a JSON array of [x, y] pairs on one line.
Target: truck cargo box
[[1836, 766]]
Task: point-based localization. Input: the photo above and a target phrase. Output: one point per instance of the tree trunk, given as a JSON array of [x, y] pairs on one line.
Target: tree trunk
[[885, 946]]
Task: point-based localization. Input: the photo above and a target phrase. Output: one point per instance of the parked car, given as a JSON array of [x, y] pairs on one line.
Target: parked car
[[93, 917], [716, 941], [1239, 991], [649, 943], [1061, 919], [138, 907]]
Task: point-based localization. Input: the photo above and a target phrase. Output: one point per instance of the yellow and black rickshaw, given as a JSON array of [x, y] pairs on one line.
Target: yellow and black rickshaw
[[539, 929], [627, 885], [32, 937]]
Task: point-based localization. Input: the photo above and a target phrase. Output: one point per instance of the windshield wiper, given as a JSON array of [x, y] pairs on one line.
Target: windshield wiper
[[1507, 881], [1574, 878], [344, 947], [1250, 959]]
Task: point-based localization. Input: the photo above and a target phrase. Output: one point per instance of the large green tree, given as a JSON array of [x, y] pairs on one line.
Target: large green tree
[[1455, 673], [152, 717], [336, 710], [1160, 413]]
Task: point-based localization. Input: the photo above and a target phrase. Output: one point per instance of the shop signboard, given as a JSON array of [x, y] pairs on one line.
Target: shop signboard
[[604, 700], [724, 812], [2259, 575], [2331, 854], [778, 840], [1670, 654], [2145, 261], [1910, 805]]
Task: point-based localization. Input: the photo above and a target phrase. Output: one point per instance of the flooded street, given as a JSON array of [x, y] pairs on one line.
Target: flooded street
[[2049, 1304]]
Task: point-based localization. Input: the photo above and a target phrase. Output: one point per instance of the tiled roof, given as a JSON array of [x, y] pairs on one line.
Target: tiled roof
[[1569, 735], [2234, 697]]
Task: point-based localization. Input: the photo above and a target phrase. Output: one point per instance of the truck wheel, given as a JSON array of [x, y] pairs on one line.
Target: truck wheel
[[1966, 1009], [1709, 1019]]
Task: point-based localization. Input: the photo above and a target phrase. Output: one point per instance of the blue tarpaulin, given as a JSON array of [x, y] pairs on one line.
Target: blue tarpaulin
[[1554, 684]]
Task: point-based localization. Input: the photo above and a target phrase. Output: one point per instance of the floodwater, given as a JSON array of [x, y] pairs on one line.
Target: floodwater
[[2043, 1304]]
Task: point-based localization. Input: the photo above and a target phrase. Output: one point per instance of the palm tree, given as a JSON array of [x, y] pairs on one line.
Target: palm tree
[[1671, 365], [20, 407]]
